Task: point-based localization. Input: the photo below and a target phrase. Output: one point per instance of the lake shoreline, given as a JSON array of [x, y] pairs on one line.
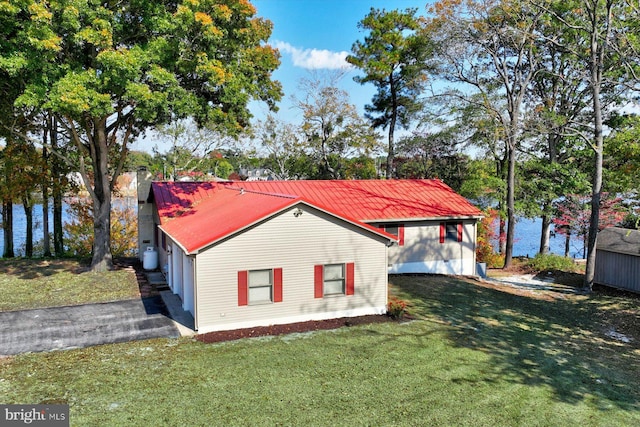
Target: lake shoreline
[[526, 240]]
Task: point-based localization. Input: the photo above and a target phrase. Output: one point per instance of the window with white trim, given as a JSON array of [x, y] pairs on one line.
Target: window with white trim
[[334, 279], [451, 232], [260, 286]]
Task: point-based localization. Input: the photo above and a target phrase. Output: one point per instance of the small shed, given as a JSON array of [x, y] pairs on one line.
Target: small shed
[[618, 258]]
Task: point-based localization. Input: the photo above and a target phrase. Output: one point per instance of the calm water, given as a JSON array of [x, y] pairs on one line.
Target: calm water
[[527, 238], [20, 223]]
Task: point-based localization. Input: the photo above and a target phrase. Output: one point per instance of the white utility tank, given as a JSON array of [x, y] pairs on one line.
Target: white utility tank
[[150, 258]]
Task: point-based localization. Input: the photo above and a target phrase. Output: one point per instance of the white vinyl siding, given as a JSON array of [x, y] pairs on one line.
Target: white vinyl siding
[[423, 253], [296, 244]]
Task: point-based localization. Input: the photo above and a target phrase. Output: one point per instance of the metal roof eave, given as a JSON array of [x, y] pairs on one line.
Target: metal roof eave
[[389, 237], [174, 240], [417, 219]]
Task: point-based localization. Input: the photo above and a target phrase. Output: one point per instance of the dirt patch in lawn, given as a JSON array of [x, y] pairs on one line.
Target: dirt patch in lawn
[[313, 325]]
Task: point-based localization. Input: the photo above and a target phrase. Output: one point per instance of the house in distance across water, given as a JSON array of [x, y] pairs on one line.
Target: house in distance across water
[[246, 254]]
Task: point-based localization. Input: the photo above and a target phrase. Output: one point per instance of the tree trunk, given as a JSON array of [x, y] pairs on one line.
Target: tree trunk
[[28, 213], [101, 257], [545, 234], [502, 235], [391, 150], [511, 217], [567, 244], [46, 244], [329, 172], [101, 195], [596, 195], [502, 227], [58, 242], [57, 192], [7, 225], [392, 128], [596, 69]]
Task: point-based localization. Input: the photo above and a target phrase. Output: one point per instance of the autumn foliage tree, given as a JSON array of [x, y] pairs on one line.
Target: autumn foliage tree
[[109, 70], [487, 239], [332, 128], [599, 35], [79, 230], [487, 51], [573, 216]]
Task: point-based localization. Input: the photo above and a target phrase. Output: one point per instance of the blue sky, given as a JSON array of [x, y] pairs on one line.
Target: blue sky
[[311, 35], [318, 35]]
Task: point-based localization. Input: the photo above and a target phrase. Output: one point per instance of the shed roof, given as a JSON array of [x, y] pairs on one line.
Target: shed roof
[[197, 215], [619, 240]]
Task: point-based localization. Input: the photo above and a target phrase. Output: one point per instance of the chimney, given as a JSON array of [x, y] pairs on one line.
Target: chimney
[[146, 228]]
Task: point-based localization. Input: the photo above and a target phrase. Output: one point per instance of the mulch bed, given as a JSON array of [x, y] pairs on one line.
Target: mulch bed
[[313, 325], [149, 290]]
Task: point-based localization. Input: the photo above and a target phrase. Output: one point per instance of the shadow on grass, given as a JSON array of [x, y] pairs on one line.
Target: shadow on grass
[[34, 268], [30, 268], [575, 280], [562, 343]]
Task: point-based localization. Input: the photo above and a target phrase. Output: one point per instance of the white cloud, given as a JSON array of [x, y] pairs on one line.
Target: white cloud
[[314, 59]]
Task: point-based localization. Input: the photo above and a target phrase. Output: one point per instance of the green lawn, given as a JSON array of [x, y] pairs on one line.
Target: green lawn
[[58, 282], [473, 357]]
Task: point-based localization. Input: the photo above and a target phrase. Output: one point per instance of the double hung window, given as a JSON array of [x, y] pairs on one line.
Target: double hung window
[[259, 286], [334, 279]]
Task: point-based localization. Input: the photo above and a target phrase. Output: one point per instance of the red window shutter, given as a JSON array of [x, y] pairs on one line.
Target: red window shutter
[[401, 235], [459, 232], [277, 285], [243, 288], [443, 231], [318, 281], [350, 278]]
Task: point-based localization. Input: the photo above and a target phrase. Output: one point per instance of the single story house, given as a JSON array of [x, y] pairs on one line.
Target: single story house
[[618, 258], [244, 254]]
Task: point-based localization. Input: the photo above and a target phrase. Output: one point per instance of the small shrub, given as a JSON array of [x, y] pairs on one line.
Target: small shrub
[[79, 230], [550, 262], [487, 240], [396, 308]]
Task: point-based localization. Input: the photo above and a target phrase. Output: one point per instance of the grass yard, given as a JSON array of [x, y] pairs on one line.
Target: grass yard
[[28, 284], [473, 356]]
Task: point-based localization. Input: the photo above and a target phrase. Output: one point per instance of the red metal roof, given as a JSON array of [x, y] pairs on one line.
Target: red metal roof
[[199, 214], [376, 200]]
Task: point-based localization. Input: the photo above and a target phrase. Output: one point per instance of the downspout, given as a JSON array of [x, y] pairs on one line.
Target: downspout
[[195, 293], [462, 251], [474, 267]]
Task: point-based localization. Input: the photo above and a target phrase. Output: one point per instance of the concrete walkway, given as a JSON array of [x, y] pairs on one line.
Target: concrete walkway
[[86, 325], [532, 282], [183, 320]]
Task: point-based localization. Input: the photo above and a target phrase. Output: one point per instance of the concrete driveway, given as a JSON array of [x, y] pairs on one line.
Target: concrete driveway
[[62, 328]]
